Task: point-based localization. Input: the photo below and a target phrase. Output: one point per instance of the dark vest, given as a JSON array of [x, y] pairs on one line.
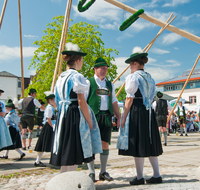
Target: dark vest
[[161, 107], [28, 107], [40, 113], [94, 101], [178, 112]]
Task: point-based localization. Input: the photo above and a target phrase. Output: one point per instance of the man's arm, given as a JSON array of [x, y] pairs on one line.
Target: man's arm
[[116, 112], [37, 103]]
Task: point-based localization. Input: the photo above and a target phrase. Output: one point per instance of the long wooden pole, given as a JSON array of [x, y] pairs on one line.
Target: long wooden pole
[[21, 49], [183, 88], [148, 46], [65, 36], [2, 12], [156, 21], [59, 51]]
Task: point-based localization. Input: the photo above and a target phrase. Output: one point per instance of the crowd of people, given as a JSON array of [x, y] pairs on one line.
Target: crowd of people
[[77, 121]]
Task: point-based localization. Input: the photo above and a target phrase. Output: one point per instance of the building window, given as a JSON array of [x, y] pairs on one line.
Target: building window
[[19, 84], [168, 88], [178, 87], [192, 99], [192, 85]]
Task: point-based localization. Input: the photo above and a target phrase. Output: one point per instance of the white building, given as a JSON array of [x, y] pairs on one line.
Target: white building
[[191, 93], [11, 85]]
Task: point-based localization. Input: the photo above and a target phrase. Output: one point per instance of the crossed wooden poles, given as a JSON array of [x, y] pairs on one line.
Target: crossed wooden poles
[[122, 6]]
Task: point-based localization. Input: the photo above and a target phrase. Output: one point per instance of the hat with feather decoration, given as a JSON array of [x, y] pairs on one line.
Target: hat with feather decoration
[[137, 52], [72, 49]]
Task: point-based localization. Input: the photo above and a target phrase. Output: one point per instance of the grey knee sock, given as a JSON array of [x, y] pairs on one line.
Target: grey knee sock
[[181, 130], [104, 160], [165, 137], [91, 167], [160, 135], [38, 131], [185, 130]]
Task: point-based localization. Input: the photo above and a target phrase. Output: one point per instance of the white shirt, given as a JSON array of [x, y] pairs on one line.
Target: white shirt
[[35, 101], [104, 98], [168, 105], [180, 110]]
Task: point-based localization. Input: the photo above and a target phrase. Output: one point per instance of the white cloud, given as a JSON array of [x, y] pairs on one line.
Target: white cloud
[[174, 3], [173, 63], [109, 26], [103, 13], [7, 53], [159, 51], [30, 36], [159, 74], [171, 38], [56, 1]]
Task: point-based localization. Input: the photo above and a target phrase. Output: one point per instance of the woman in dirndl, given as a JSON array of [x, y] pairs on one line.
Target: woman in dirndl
[[77, 135], [5, 138], [12, 121], [45, 140], [139, 136]]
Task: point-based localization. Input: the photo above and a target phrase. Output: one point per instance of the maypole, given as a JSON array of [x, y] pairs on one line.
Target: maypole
[[60, 48], [65, 36], [21, 49], [156, 21], [148, 48], [2, 12]]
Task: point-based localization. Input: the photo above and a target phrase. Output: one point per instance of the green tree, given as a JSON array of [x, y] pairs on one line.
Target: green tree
[[83, 34], [122, 95]]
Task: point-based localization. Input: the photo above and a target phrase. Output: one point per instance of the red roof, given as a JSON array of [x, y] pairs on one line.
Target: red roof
[[177, 81]]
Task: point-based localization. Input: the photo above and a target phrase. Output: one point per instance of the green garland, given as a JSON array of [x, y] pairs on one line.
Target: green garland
[[80, 5], [131, 20]]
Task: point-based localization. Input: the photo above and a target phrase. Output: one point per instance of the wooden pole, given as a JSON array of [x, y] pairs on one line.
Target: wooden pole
[[149, 45], [156, 21], [21, 49], [65, 36], [59, 51], [2, 12], [183, 88]]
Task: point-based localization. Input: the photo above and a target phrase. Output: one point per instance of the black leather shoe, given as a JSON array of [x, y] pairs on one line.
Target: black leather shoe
[[4, 157], [154, 180], [105, 176], [23, 148], [165, 144], [135, 181], [39, 165], [22, 156], [186, 135], [92, 176], [181, 134], [29, 147]]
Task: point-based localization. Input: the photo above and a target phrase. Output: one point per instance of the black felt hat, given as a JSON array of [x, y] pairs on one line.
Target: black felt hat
[[1, 91], [32, 90], [159, 94], [10, 105]]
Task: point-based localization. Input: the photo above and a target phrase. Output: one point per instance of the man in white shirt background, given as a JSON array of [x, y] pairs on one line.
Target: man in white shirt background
[[27, 119], [180, 112]]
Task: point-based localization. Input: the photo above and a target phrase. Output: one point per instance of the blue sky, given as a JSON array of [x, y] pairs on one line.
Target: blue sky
[[170, 55]]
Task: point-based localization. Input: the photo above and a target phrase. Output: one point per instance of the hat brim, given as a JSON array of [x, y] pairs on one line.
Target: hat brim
[[74, 53], [10, 106], [1, 91], [50, 96], [101, 64], [135, 57]]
